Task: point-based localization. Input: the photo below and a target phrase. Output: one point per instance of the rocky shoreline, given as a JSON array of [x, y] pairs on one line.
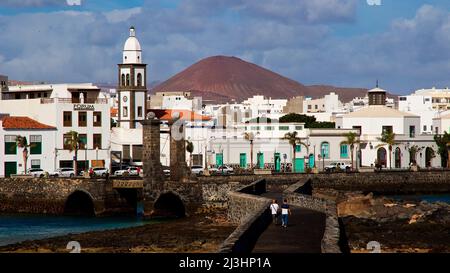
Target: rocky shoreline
[[200, 233], [398, 226]]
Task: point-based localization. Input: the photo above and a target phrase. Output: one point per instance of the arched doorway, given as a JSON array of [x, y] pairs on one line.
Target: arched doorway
[[381, 157], [79, 203], [429, 154], [169, 205], [398, 158]]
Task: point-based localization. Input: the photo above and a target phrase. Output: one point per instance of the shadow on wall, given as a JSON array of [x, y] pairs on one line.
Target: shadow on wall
[[169, 205], [79, 203]]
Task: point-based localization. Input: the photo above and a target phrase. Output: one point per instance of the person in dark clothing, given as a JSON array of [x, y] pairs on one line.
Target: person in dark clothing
[[285, 212]]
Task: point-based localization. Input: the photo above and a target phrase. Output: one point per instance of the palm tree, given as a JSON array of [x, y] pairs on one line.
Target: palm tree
[[73, 143], [351, 140], [388, 138], [22, 142], [294, 140], [250, 137], [190, 150]]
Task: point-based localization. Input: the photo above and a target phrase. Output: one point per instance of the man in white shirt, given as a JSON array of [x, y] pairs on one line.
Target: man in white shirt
[[274, 208]]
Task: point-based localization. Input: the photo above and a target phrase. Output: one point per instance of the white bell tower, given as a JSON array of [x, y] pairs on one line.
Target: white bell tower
[[132, 87]]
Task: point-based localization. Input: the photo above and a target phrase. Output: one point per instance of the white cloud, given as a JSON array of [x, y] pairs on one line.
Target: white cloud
[[74, 2], [121, 15]]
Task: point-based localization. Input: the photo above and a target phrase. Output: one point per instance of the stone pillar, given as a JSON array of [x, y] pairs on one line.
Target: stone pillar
[[178, 167], [152, 168]]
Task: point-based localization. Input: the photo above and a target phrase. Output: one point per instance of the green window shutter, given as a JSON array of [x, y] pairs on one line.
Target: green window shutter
[[344, 151], [10, 145], [284, 128], [298, 148], [36, 145]]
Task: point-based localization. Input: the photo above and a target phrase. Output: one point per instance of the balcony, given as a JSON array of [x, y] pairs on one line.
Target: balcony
[[74, 101]]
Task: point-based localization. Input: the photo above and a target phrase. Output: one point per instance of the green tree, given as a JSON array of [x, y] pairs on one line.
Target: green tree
[[22, 142], [351, 140], [388, 138], [250, 137], [190, 150], [294, 140], [73, 143], [442, 141], [310, 121]]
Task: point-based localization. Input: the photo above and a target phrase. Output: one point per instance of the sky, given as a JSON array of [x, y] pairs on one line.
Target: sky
[[405, 44]]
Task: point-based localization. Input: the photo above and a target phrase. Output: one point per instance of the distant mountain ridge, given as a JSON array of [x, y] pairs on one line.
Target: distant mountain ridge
[[222, 79]]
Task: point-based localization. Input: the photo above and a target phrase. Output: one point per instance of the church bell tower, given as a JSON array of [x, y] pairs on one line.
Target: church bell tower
[[132, 89]]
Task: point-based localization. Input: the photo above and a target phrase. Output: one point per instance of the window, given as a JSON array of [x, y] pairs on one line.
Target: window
[[98, 141], [10, 145], [97, 119], [139, 79], [125, 111], [269, 128], [325, 149], [424, 127], [358, 128], [128, 79], [255, 128], [82, 119], [31, 95], [36, 163], [299, 128], [35, 145], [66, 140], [402, 98], [284, 128], [412, 131], [298, 148], [316, 107], [139, 111], [344, 151], [309, 107], [83, 141], [67, 119], [123, 80], [387, 129]]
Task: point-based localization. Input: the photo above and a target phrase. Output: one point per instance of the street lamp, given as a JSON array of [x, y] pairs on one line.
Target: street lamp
[[96, 153]]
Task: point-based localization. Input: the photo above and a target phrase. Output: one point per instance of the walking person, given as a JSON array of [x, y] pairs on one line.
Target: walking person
[[285, 212], [274, 208]]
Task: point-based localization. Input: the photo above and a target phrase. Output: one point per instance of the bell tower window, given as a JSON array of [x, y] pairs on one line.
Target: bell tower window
[[139, 79], [123, 79], [128, 79]]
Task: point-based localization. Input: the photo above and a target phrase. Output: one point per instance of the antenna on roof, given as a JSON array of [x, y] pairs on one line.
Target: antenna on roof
[[377, 83]]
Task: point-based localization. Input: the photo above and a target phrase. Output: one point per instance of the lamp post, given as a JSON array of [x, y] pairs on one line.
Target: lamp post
[[96, 153]]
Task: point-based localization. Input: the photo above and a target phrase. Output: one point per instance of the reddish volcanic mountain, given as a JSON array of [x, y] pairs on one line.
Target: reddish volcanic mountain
[[223, 78]]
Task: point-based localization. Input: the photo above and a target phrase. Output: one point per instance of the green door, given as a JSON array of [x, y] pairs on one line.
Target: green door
[[219, 160], [261, 160], [243, 161], [311, 161], [299, 165], [277, 159], [10, 168]]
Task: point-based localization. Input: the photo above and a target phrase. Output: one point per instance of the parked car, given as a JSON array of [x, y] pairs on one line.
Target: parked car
[[63, 172], [338, 165], [222, 170], [36, 172], [197, 169], [166, 170], [97, 171], [129, 171]]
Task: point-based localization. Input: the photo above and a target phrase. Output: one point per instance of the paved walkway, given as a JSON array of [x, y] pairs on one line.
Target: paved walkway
[[303, 234]]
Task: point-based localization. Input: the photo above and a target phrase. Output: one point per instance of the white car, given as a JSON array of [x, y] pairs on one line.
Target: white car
[[222, 170], [97, 171], [335, 165], [36, 172], [198, 170], [63, 172], [130, 171]]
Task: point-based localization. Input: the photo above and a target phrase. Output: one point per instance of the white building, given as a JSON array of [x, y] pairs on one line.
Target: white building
[[40, 137], [441, 123], [421, 106], [67, 107], [376, 118], [440, 98]]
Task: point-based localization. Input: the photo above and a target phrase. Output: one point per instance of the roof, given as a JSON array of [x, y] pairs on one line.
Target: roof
[[377, 89], [23, 123], [132, 44], [378, 111], [167, 114]]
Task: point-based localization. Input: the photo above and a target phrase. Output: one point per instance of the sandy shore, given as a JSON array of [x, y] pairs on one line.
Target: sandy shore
[[201, 233]]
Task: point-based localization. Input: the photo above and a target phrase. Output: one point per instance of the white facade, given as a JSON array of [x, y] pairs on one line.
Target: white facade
[[441, 123], [440, 98], [43, 159], [87, 114], [421, 106]]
